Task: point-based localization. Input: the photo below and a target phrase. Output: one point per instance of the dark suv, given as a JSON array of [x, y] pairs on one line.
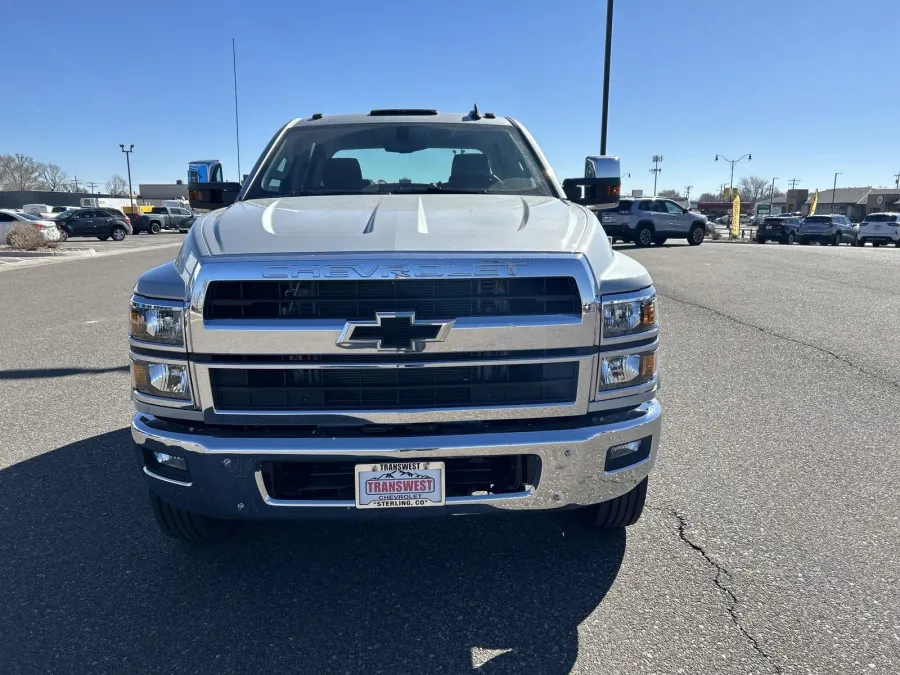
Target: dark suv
[[102, 223], [783, 229], [828, 229]]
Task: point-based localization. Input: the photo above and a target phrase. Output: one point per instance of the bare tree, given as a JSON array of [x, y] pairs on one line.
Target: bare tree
[[710, 197], [54, 178], [19, 172], [669, 194], [117, 186], [752, 188]]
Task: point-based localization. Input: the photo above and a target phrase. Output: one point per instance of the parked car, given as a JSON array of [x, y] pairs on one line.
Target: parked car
[[831, 229], [653, 221], [46, 227], [783, 229], [164, 218], [880, 228], [101, 223]]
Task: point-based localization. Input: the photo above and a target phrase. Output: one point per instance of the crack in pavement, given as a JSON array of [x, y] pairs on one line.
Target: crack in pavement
[[787, 338], [722, 572]]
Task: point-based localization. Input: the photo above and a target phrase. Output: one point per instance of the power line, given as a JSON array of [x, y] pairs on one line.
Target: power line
[[75, 183], [793, 182], [91, 185]]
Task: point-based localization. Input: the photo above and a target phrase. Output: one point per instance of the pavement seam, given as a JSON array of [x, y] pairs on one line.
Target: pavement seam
[[786, 338], [730, 596]]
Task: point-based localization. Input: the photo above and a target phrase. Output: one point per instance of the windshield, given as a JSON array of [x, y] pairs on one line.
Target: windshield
[[882, 217], [29, 216], [385, 158]]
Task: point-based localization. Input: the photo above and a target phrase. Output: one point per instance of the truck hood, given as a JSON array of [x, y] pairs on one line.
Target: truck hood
[[395, 223]]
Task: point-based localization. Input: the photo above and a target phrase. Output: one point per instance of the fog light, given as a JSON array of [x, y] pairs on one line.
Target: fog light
[[627, 454], [617, 451], [172, 461]]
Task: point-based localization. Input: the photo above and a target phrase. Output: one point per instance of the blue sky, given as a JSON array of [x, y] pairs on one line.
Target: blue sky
[[809, 88]]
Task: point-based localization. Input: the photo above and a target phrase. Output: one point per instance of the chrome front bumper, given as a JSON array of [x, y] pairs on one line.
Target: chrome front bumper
[[226, 481]]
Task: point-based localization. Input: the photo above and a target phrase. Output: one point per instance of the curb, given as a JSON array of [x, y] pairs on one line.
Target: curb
[[71, 253]]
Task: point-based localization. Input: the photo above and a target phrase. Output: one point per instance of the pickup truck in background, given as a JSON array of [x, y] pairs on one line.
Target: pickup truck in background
[[165, 218]]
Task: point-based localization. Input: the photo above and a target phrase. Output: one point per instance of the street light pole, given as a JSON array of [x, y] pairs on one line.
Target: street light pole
[[605, 113], [834, 189], [772, 194], [128, 163], [749, 158]]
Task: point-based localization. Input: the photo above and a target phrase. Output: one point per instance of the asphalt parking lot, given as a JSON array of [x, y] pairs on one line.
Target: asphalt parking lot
[[769, 544]]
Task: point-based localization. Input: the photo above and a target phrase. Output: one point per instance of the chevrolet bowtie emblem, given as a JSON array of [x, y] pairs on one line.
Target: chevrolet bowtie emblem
[[393, 332]]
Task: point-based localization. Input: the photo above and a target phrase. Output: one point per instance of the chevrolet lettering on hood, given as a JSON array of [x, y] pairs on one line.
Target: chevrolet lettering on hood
[[392, 271]]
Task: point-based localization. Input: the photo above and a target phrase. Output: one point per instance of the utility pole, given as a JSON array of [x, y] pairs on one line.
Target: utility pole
[[605, 113], [655, 170], [237, 129], [91, 185], [834, 189], [793, 182], [128, 162], [772, 194], [687, 192], [75, 183], [722, 191], [897, 181], [733, 162]]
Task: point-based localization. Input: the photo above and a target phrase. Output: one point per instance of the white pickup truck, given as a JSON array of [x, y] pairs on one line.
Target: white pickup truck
[[398, 313]]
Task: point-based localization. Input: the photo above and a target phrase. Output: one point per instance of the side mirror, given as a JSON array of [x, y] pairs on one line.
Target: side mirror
[[600, 186], [211, 196]]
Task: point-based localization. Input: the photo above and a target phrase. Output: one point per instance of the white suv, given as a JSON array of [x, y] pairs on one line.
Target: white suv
[[880, 228]]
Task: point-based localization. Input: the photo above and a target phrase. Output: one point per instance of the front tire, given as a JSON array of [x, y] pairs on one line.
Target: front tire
[[619, 512], [118, 233], [644, 236], [790, 239], [186, 525], [696, 235], [63, 235]]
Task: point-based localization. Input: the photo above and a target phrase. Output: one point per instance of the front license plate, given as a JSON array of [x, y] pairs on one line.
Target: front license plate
[[399, 485], [608, 219]]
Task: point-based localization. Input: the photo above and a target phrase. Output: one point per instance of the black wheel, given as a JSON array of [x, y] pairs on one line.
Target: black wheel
[[804, 242], [621, 511], [837, 240], [104, 237], [118, 233], [859, 242], [790, 238], [154, 228], [696, 235], [897, 244], [759, 241], [644, 236], [185, 525], [63, 235], [659, 241]]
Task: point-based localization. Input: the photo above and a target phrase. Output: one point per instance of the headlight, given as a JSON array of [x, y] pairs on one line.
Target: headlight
[[629, 316], [168, 380], [626, 370], [157, 321]]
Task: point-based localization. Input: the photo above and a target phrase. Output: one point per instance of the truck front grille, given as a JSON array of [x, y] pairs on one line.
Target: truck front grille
[[360, 388], [464, 476], [354, 300]]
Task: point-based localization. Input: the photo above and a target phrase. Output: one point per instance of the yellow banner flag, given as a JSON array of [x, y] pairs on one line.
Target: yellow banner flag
[[736, 215], [815, 203]]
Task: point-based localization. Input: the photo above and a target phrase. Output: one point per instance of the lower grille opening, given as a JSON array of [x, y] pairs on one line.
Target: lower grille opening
[[464, 476]]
